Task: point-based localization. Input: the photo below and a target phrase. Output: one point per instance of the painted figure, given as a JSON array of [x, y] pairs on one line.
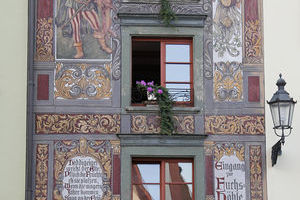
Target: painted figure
[[106, 7], [77, 17]]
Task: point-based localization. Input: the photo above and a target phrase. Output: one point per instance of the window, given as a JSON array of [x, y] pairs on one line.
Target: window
[[162, 179], [166, 61]]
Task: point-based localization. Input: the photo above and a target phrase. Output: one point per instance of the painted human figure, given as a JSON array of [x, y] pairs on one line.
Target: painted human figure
[[106, 7], [86, 9]]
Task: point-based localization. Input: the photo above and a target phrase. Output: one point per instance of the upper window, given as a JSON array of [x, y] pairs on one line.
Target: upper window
[[162, 179], [168, 62]]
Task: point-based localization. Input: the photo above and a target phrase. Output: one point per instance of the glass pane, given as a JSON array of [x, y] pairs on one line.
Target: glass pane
[[284, 113], [177, 73], [181, 172], [145, 192], [179, 192], [291, 113], [145, 173], [274, 113], [177, 53], [179, 92]]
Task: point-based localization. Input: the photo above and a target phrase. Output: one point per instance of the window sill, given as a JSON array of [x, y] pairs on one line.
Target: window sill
[[155, 109]]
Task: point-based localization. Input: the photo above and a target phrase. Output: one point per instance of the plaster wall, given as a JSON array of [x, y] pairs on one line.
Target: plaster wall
[[282, 51], [13, 74]]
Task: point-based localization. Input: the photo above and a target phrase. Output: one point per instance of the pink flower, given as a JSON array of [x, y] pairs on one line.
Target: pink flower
[[143, 83], [138, 82], [159, 91], [150, 83], [150, 89]]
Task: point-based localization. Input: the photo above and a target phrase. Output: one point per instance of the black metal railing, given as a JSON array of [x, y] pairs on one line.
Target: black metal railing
[[177, 95]]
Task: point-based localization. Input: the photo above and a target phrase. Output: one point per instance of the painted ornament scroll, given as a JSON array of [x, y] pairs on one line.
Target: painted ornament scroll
[[253, 36], [84, 29], [227, 50]]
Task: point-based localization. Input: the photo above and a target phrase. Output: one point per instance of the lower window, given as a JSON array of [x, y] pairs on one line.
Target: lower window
[[162, 179]]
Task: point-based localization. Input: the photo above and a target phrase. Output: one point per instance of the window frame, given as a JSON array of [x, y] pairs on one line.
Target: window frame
[[162, 181], [156, 146], [129, 31], [163, 42]]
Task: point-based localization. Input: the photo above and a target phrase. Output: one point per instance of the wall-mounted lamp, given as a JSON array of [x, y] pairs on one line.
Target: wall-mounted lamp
[[282, 109]]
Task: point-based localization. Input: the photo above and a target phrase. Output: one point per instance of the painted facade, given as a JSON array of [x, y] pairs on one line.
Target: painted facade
[[82, 112]]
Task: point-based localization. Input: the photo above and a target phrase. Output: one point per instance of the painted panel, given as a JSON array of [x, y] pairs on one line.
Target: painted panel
[[253, 89], [44, 31], [253, 35], [116, 175], [151, 124], [44, 8], [229, 124], [82, 169], [41, 174], [227, 31], [77, 123], [229, 169], [84, 30], [256, 173], [43, 87], [228, 82], [83, 81]]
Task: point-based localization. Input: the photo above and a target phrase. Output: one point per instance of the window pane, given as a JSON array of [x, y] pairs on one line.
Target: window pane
[[145, 192], [180, 172], [177, 53], [177, 72], [145, 173], [179, 92], [179, 192]]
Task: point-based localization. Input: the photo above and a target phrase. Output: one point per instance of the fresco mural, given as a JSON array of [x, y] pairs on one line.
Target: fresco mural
[[82, 170], [83, 29], [227, 30]]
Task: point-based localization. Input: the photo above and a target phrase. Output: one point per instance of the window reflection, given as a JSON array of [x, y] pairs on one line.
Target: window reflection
[[178, 72], [177, 53]]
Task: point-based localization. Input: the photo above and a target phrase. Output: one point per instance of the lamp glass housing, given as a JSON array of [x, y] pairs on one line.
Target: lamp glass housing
[[282, 114]]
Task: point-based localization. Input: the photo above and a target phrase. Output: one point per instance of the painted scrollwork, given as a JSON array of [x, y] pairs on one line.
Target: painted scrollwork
[[256, 179], [221, 150], [208, 48], [253, 42], [44, 40], [228, 81], [151, 124], [227, 124], [82, 82], [77, 123], [116, 60], [203, 7], [227, 28], [184, 124], [41, 175], [145, 124]]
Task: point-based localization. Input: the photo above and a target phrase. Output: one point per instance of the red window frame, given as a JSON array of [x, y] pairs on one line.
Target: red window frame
[[162, 162], [163, 43]]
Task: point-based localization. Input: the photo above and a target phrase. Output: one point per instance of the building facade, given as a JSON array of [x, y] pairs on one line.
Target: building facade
[[93, 135]]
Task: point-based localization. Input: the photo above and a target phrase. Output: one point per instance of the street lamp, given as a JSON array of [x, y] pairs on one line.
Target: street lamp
[[282, 109]]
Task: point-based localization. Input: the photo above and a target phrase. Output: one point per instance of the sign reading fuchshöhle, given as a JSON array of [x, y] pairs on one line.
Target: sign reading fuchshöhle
[[229, 168]]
